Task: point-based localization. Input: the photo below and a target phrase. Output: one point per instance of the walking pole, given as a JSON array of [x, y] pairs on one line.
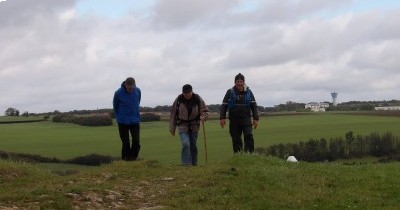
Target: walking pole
[[205, 141]]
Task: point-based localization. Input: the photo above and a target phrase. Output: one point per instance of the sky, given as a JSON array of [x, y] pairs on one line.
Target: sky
[[74, 54]]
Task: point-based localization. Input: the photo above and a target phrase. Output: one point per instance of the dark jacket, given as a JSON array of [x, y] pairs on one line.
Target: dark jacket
[[183, 119], [126, 105], [241, 110]]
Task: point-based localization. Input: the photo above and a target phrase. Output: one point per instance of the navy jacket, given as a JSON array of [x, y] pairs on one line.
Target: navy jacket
[[126, 105], [241, 110]]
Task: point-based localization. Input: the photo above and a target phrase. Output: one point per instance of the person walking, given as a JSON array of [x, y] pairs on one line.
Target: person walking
[[187, 111], [126, 103], [241, 103]]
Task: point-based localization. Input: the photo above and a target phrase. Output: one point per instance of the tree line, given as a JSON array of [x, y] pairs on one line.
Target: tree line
[[289, 106]]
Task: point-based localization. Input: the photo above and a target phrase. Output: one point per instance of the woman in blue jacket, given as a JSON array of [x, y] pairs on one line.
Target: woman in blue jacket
[[126, 104]]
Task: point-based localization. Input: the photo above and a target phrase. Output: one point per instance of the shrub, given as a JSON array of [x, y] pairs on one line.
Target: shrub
[[27, 157], [91, 160], [90, 120], [94, 120], [147, 117], [338, 148]]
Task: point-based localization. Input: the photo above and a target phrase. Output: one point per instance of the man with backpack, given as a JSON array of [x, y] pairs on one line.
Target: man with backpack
[[240, 102], [186, 112]]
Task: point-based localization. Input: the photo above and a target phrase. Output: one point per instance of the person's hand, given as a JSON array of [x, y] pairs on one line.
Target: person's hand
[[222, 122], [255, 124], [203, 118]]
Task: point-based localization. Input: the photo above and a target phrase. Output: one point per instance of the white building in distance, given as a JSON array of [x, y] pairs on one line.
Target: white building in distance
[[316, 107]]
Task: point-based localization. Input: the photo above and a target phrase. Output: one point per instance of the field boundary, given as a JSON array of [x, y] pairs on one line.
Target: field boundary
[[22, 121]]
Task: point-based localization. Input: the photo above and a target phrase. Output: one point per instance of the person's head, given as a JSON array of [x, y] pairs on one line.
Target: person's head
[[239, 81], [187, 91], [130, 84]]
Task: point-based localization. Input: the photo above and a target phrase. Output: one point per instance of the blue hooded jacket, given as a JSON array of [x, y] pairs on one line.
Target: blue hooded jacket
[[126, 105]]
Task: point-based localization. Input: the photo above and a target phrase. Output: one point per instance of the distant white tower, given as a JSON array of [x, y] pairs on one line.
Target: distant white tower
[[334, 97]]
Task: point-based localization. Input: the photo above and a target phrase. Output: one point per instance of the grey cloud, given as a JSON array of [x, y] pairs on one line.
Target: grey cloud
[[285, 50], [181, 13], [382, 57], [17, 12], [316, 41]]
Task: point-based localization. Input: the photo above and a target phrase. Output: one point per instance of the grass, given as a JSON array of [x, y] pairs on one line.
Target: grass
[[68, 140], [241, 182], [226, 182]]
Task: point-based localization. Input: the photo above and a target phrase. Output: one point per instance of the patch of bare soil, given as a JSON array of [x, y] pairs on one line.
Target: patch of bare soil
[[127, 195]]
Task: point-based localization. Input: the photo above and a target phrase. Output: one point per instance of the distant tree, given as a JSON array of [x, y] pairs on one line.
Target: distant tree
[[164, 108], [290, 106], [11, 112], [147, 117], [214, 107], [146, 109], [25, 114]]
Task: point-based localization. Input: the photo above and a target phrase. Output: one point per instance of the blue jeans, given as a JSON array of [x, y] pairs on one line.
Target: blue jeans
[[189, 148]]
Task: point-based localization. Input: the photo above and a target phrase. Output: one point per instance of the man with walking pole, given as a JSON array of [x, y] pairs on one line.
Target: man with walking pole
[[187, 111]]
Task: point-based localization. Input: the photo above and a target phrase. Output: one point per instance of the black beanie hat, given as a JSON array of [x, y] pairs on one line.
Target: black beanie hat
[[187, 88], [239, 76]]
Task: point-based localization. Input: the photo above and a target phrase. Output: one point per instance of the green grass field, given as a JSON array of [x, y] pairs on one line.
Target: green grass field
[[62, 140], [226, 182], [242, 182]]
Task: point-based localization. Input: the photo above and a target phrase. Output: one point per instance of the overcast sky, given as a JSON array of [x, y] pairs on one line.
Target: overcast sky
[[73, 54]]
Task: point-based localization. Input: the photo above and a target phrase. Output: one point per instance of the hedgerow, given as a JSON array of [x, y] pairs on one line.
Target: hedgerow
[[88, 120], [385, 145]]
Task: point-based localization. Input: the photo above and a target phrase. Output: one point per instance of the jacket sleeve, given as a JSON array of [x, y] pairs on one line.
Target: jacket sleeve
[[115, 102], [140, 95], [172, 117], [253, 106], [224, 105]]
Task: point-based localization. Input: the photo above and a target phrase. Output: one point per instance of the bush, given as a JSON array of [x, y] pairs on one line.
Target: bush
[[90, 120], [338, 148], [91, 160], [147, 117], [94, 120], [27, 157]]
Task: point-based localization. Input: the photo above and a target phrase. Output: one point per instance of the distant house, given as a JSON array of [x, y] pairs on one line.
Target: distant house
[[316, 107], [387, 108]]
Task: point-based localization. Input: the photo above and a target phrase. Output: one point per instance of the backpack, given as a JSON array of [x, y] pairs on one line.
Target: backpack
[[234, 96], [180, 100]]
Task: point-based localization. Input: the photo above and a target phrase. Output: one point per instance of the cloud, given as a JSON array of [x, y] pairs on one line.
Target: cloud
[[181, 13], [55, 58]]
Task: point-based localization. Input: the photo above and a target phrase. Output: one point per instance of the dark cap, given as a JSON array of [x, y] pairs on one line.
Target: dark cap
[[239, 77], [130, 81], [187, 88]]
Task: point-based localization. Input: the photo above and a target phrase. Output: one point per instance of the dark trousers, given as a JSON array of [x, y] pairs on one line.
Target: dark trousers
[[237, 127], [129, 151]]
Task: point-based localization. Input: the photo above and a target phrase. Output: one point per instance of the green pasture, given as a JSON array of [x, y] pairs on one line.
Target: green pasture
[[63, 140]]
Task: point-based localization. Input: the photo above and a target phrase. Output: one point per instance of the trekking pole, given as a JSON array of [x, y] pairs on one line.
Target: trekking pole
[[205, 141]]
